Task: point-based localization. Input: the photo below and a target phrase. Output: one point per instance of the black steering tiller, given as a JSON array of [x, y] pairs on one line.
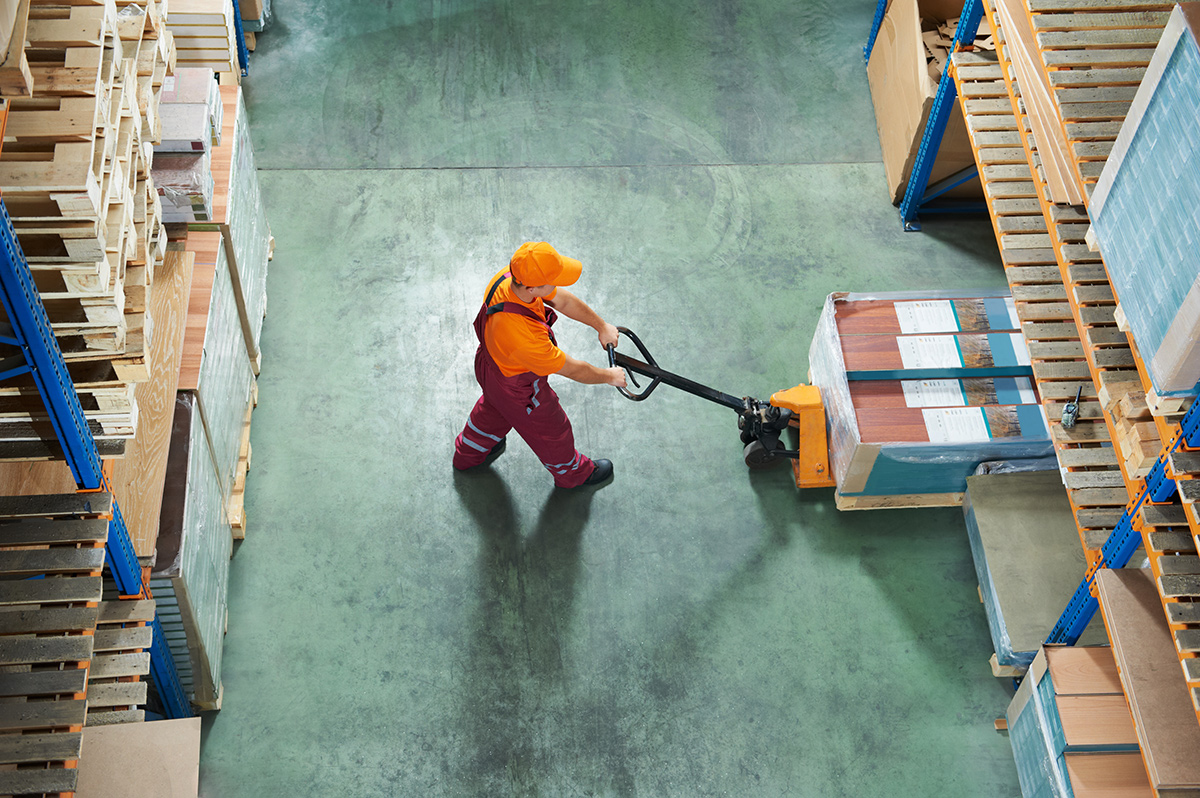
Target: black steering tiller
[[761, 423]]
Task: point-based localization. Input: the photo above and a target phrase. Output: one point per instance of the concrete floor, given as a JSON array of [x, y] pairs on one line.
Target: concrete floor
[[693, 629]]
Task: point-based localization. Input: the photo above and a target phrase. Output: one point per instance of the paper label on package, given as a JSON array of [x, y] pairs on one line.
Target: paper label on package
[[928, 352], [956, 425], [933, 393], [1012, 312], [1025, 389], [168, 84], [926, 316], [1020, 349]]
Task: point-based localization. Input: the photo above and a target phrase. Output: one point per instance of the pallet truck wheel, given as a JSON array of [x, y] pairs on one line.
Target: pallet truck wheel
[[747, 437], [757, 457]]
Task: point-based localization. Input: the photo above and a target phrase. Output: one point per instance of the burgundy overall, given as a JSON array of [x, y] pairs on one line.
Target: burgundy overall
[[524, 402]]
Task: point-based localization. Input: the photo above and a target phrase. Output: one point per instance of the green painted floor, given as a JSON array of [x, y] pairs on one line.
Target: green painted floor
[[692, 629]]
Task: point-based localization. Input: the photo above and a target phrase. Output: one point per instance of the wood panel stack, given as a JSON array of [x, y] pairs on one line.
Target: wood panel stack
[[918, 391], [206, 35], [1071, 730], [68, 658], [75, 179]]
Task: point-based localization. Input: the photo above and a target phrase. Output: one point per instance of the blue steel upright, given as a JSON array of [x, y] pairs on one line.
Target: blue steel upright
[[240, 30], [916, 195], [29, 330], [880, 10]]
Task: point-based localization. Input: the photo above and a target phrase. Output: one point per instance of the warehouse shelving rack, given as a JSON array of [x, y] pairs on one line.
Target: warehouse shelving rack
[[28, 330], [919, 196], [1038, 238]]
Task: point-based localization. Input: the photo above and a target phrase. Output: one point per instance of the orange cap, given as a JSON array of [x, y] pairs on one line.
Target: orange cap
[[538, 263]]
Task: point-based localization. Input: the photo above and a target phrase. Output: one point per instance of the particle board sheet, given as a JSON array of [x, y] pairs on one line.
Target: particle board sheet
[[161, 759], [1027, 557], [1150, 674], [138, 478], [1146, 210]]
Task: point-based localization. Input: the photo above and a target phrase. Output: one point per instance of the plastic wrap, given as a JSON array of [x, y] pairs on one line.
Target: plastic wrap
[[185, 187], [225, 376], [195, 543], [1040, 773], [1145, 211], [884, 469], [1001, 643], [247, 221], [1016, 466]]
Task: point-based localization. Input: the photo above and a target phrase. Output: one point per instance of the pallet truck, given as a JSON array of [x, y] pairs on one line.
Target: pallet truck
[[761, 423]]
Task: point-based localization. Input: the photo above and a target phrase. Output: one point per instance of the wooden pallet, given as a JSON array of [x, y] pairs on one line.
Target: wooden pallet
[[237, 497], [56, 637]]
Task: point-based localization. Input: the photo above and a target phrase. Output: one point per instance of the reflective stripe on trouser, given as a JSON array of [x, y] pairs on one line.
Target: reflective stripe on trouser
[[525, 403]]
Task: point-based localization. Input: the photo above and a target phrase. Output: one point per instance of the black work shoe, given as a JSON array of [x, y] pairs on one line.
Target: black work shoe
[[602, 475], [496, 451]]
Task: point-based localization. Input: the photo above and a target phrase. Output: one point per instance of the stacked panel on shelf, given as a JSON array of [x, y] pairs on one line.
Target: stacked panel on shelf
[[205, 34], [939, 358], [1146, 210], [1071, 730], [1146, 657], [1027, 557], [190, 578]]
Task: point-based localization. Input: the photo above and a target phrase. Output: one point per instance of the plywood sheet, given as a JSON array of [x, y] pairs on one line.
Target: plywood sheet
[[1158, 696], [160, 758], [137, 480], [1108, 776], [1033, 553]]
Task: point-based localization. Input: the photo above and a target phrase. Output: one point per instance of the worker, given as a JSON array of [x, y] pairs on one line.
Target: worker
[[517, 352]]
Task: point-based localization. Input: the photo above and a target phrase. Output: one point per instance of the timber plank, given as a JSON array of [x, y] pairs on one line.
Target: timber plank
[[1079, 39], [1179, 585], [56, 590], [1180, 612], [1179, 564], [113, 666], [127, 611], [35, 715], [35, 781], [48, 682], [122, 639], [1098, 517], [1171, 541], [47, 619], [1062, 370], [35, 650], [1184, 462], [51, 561], [1043, 6], [43, 532], [1109, 21], [68, 504], [1097, 77], [116, 694], [1163, 515], [1093, 479], [28, 748], [1096, 456]]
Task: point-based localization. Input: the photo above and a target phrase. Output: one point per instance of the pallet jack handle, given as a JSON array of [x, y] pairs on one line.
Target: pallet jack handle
[[658, 375]]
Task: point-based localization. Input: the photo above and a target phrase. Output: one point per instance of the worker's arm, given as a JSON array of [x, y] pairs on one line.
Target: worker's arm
[[582, 371], [575, 308]]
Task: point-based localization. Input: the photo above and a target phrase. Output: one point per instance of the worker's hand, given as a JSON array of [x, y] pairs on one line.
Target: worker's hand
[[616, 376], [608, 335]]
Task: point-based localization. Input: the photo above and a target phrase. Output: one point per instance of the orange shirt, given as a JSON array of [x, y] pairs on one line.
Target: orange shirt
[[517, 343]]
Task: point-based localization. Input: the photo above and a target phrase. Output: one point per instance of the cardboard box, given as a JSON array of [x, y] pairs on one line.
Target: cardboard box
[[903, 92]]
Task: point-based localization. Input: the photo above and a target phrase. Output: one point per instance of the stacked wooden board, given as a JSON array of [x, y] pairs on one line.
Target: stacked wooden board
[[918, 390], [69, 657], [1071, 730], [75, 179], [205, 34]]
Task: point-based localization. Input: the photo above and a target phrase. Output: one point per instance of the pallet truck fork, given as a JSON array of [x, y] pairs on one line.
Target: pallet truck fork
[[761, 423]]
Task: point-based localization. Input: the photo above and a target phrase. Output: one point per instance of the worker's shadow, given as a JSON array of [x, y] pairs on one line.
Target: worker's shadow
[[525, 590]]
